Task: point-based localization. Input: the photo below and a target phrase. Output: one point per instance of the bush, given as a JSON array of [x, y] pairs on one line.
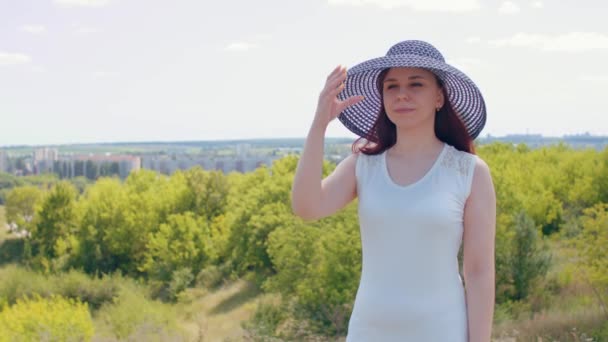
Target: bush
[[602, 333], [212, 276], [94, 291], [530, 257], [132, 314], [266, 318], [55, 319], [180, 280], [19, 282], [513, 310]]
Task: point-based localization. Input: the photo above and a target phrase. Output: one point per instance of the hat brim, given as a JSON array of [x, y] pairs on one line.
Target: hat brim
[[463, 94]]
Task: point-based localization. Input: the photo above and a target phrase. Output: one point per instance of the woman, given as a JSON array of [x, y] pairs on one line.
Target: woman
[[422, 192]]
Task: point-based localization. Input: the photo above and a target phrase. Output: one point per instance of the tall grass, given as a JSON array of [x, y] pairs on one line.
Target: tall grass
[[121, 307]]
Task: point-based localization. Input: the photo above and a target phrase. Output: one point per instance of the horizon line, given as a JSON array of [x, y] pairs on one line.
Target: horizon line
[[148, 142]]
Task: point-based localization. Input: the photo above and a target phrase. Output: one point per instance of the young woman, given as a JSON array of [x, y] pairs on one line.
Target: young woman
[[422, 192]]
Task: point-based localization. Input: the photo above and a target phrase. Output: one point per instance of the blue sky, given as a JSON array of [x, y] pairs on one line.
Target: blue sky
[[75, 71]]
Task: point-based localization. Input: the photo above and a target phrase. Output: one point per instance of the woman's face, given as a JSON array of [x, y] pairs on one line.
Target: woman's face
[[411, 96]]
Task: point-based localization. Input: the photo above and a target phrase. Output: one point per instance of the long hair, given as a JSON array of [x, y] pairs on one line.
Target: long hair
[[448, 127]]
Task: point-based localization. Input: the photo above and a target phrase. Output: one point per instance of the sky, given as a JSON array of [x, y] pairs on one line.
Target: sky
[[86, 71]]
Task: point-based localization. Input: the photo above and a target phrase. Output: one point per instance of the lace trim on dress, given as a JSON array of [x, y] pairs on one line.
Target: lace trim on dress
[[457, 160]]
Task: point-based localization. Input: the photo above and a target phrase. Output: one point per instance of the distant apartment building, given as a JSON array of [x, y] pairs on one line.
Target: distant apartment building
[[169, 164], [241, 164], [243, 150], [87, 165], [533, 141], [3, 161], [94, 166], [43, 159], [46, 153]]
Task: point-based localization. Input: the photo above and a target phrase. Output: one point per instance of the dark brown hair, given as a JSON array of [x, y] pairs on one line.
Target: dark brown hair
[[448, 127]]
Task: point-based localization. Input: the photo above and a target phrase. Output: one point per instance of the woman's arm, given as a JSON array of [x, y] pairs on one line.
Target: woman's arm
[[478, 268], [311, 197]]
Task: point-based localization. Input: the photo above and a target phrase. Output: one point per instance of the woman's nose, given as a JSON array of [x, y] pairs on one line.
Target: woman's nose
[[403, 94]]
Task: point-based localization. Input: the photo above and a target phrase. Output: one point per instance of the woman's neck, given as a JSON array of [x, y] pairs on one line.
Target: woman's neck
[[415, 142]]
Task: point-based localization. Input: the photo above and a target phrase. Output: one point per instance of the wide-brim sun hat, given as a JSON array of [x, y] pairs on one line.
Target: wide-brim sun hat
[[361, 79]]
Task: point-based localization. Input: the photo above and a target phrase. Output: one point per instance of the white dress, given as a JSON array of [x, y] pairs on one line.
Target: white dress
[[410, 287]]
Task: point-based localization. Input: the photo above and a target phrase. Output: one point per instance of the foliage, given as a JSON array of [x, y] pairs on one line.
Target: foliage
[[131, 313], [21, 206], [46, 319], [201, 228], [592, 244], [182, 242], [529, 259]]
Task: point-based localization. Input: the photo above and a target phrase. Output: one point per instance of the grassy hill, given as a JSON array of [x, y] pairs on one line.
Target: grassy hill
[[570, 307], [210, 315], [217, 315]]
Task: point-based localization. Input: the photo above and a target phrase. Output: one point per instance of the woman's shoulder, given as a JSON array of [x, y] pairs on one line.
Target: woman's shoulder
[[366, 164], [366, 157], [460, 161]]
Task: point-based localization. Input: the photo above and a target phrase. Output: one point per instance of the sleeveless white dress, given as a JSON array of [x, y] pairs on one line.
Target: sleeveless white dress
[[410, 287]]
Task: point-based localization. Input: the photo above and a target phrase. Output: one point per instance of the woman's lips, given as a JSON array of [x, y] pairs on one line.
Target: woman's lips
[[404, 110]]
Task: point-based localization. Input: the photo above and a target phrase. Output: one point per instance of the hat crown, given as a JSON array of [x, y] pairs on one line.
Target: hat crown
[[415, 47]]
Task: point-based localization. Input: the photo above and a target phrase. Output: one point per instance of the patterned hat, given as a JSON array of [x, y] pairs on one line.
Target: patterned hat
[[463, 94]]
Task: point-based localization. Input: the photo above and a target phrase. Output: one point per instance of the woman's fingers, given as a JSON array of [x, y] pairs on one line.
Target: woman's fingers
[[334, 72], [336, 79], [329, 104], [349, 102], [335, 91]]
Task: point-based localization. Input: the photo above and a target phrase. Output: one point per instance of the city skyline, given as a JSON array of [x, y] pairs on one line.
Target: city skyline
[[102, 71], [481, 137]]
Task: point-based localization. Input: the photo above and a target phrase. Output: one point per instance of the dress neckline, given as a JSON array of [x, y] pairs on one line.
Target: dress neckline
[[425, 176]]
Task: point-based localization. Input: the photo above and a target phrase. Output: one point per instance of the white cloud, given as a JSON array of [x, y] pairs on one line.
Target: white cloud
[[13, 59], [33, 29], [567, 42], [37, 69], [537, 4], [594, 78], [82, 3], [240, 46], [473, 40], [467, 63], [509, 7], [86, 30], [521, 39], [419, 5], [104, 74], [262, 36]]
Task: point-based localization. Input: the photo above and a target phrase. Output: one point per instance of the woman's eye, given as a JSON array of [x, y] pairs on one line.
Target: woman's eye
[[417, 84], [391, 86]]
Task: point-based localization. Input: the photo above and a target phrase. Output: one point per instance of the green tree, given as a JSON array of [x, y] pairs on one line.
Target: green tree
[[55, 224], [207, 192], [328, 291], [21, 206], [591, 245], [529, 259], [182, 242], [261, 204], [104, 207], [601, 179]]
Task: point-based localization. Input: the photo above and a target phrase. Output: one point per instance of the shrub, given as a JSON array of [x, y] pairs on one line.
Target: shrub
[[55, 319], [132, 313]]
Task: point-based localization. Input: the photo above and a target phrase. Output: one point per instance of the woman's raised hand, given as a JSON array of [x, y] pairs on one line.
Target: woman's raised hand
[[329, 105]]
